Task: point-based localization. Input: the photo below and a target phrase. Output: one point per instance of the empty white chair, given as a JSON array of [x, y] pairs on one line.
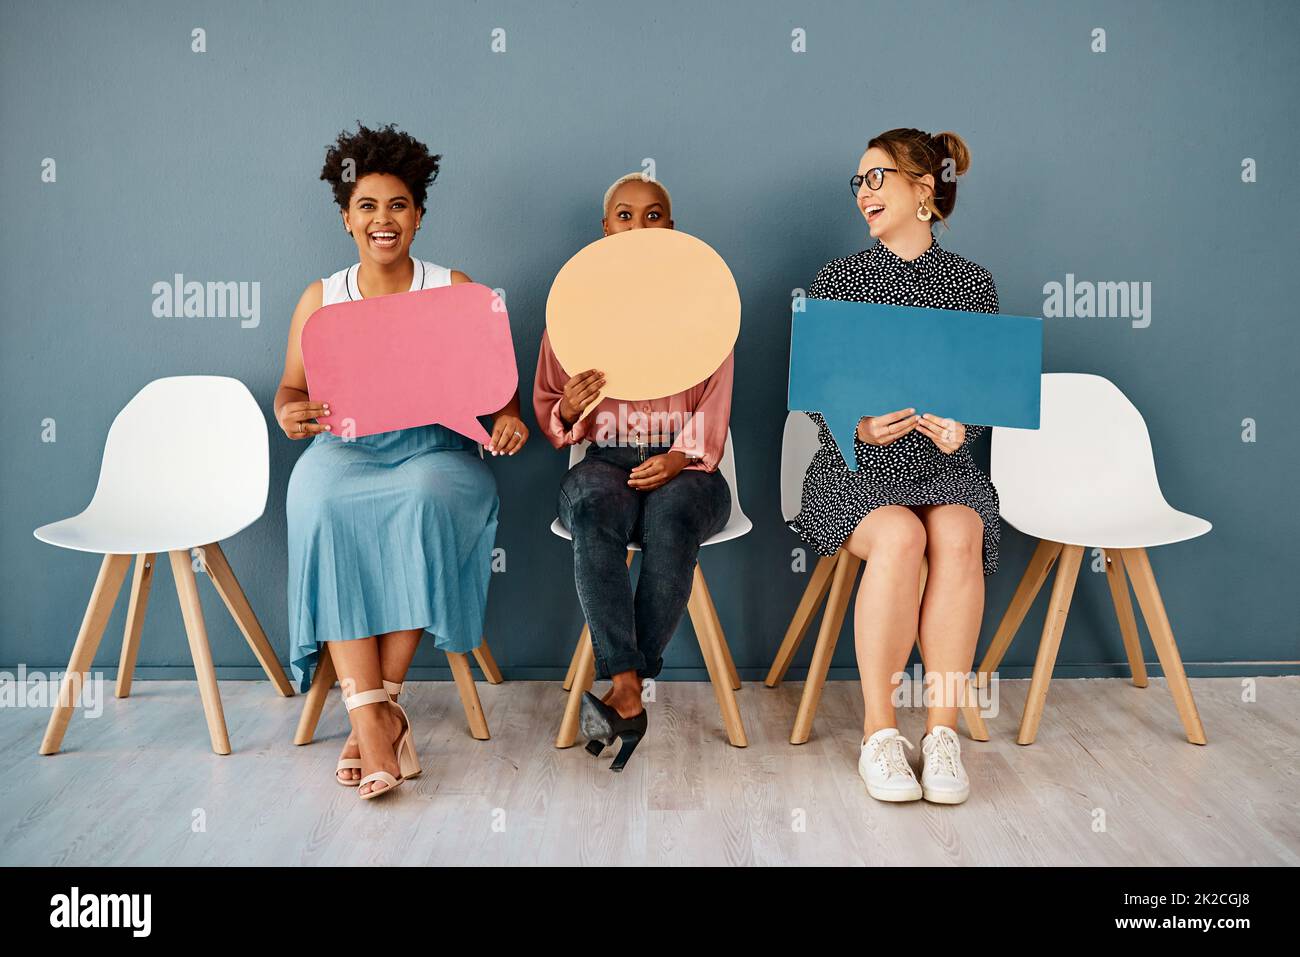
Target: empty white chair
[[834, 573], [1086, 478], [185, 465], [704, 618]]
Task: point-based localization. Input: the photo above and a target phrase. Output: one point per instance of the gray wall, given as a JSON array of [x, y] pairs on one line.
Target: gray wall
[[1115, 166]]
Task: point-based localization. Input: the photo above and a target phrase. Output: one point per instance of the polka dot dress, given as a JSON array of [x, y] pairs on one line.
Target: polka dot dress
[[911, 470]]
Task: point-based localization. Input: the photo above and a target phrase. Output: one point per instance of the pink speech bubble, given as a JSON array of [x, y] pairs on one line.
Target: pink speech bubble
[[413, 358]]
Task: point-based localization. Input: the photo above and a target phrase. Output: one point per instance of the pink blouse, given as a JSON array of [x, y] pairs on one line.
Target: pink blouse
[[697, 417]]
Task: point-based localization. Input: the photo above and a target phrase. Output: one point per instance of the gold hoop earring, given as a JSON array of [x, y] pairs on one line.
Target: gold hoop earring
[[923, 212]]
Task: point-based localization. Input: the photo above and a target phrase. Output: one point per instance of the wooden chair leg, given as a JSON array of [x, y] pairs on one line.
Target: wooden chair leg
[[585, 636], [487, 664], [584, 674], [321, 683], [1118, 582], [975, 725], [711, 609], [846, 570], [188, 592], [468, 695], [1162, 636], [140, 583], [227, 586], [1040, 565], [714, 660], [819, 582], [112, 572], [1067, 572]]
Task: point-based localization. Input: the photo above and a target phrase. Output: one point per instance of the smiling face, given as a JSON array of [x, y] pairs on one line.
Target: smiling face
[[891, 210], [637, 204], [382, 218]]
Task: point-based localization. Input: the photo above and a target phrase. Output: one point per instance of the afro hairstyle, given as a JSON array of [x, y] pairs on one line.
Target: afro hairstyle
[[383, 150]]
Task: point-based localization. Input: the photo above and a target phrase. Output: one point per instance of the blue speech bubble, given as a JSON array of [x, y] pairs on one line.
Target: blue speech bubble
[[852, 359]]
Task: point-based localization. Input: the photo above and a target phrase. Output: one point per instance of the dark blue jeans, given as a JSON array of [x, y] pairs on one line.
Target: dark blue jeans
[[629, 632]]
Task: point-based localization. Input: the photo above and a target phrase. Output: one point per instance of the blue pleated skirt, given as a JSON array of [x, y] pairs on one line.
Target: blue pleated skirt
[[388, 532]]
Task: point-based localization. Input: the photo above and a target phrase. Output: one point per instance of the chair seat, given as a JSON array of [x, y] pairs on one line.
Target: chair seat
[[1117, 526], [138, 531], [738, 523], [735, 528]]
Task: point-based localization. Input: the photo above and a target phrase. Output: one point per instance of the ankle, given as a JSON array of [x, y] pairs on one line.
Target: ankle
[[625, 694], [374, 720], [871, 727], [626, 701]]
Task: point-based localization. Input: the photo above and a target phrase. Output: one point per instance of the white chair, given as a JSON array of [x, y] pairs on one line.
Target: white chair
[[1086, 478], [836, 573], [185, 465], [704, 618]]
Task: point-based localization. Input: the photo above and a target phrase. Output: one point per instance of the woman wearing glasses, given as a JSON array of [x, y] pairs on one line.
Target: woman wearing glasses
[[916, 491]]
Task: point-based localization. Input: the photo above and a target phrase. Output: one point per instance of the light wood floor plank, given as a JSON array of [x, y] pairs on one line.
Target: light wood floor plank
[[131, 784]]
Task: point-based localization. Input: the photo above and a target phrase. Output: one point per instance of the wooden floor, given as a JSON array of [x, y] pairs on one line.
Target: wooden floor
[[1110, 781]]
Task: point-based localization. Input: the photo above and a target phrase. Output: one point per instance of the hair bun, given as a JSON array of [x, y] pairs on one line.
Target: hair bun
[[951, 146]]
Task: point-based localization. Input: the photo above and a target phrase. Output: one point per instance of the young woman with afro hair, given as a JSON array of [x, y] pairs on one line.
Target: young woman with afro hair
[[390, 535]]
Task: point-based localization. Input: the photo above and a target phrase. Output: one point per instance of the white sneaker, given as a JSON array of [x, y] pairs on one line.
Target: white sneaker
[[943, 779], [884, 768]]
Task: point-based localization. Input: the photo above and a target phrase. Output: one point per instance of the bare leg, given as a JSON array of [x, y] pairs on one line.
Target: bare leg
[[953, 606], [891, 541], [396, 649], [375, 726]]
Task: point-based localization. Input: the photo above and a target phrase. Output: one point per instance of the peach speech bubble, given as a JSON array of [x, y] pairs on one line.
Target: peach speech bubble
[[656, 310], [413, 358]]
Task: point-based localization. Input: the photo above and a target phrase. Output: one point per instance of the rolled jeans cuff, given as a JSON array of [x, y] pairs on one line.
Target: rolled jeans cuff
[[624, 661], [650, 670]]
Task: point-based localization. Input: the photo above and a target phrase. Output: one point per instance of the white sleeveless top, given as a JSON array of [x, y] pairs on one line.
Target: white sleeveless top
[[342, 286]]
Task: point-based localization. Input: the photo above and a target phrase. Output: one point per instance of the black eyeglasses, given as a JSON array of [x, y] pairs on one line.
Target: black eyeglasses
[[873, 177]]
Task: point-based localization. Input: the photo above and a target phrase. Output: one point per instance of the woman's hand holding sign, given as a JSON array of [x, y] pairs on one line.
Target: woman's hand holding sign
[[297, 418], [508, 432], [947, 434], [579, 392], [883, 429]]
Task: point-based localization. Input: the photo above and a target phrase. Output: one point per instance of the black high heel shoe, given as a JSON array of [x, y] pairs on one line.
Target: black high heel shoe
[[602, 724]]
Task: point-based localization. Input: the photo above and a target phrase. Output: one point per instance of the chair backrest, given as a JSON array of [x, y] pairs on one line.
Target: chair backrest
[[191, 445], [798, 445], [1091, 449], [727, 467]]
